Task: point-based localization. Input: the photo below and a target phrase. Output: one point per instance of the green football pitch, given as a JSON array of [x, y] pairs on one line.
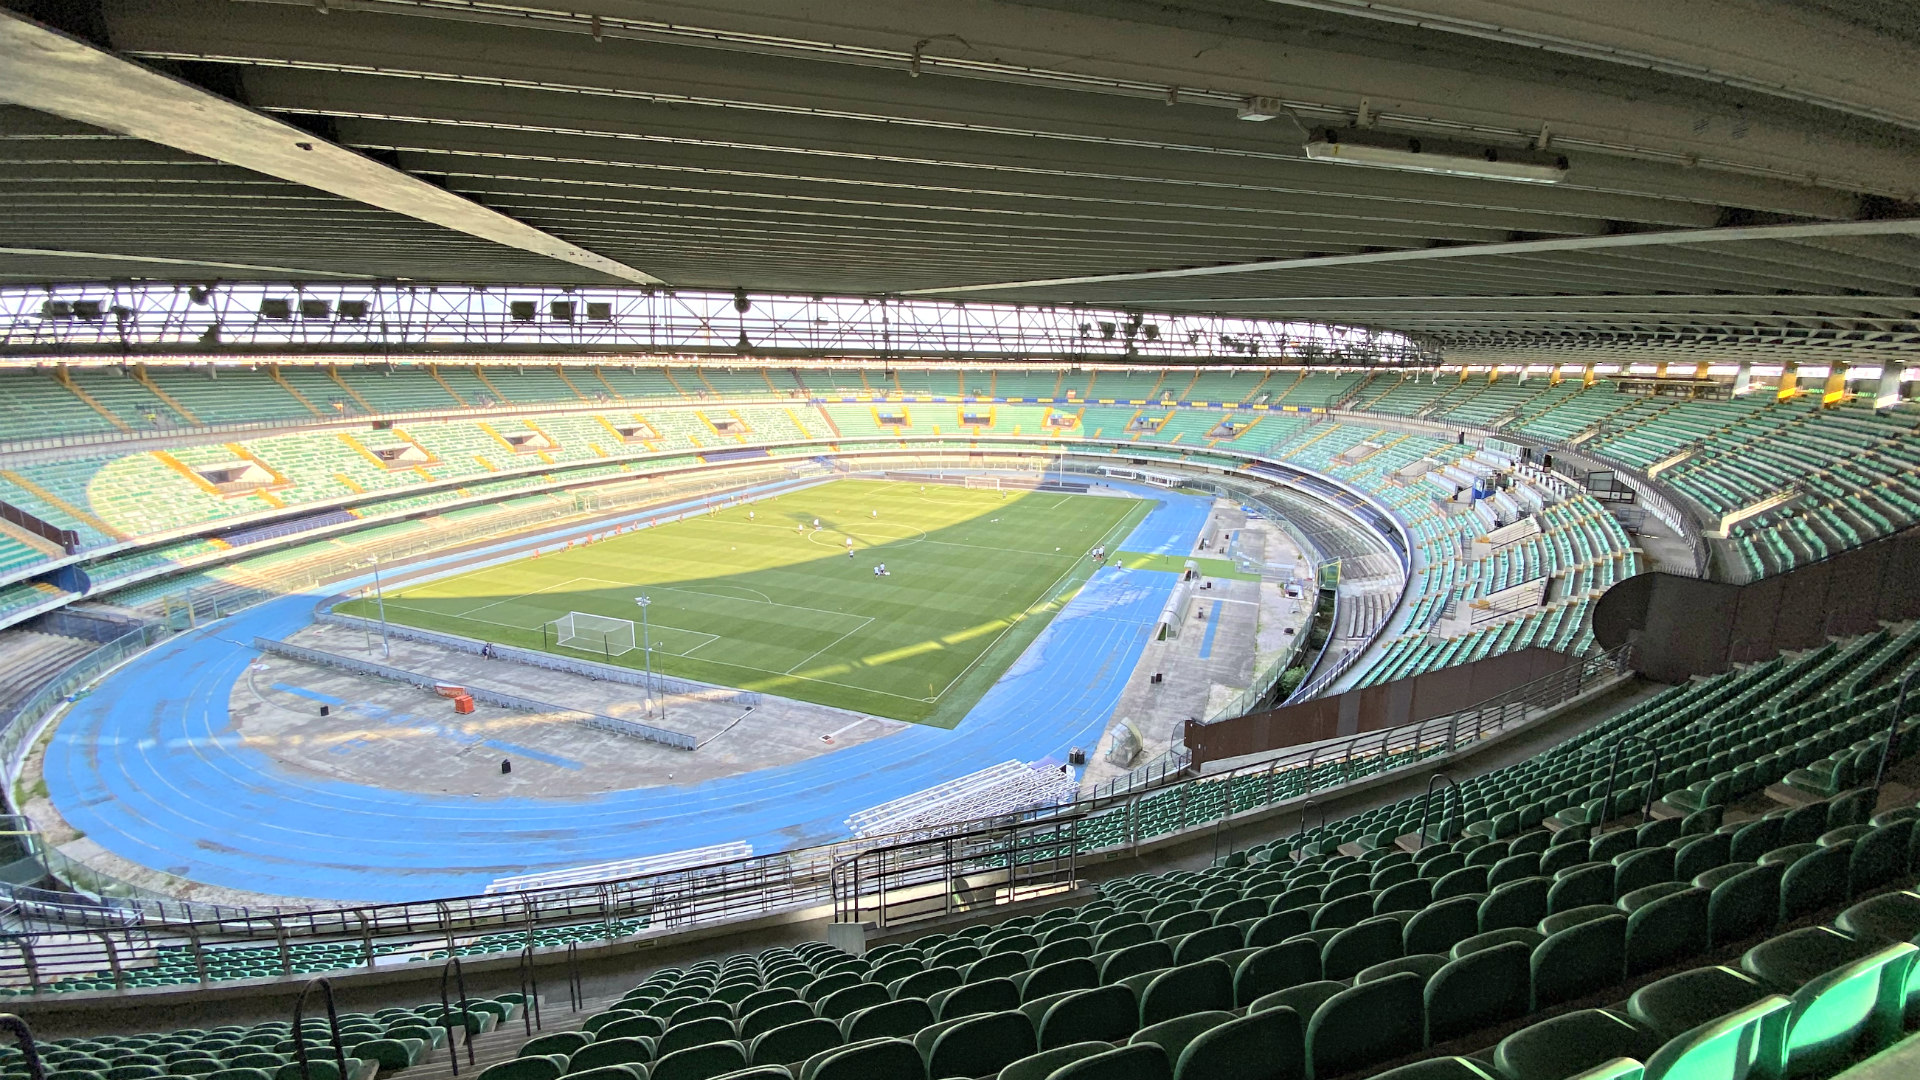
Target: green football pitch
[[754, 596]]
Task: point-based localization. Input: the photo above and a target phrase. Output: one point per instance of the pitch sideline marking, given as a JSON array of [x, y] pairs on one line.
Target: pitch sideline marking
[[835, 641]]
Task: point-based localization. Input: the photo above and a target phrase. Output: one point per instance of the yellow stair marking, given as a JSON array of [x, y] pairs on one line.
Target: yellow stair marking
[[1255, 392], [349, 483], [795, 417], [485, 464], [334, 374], [33, 540], [706, 383], [1331, 428], [611, 430], [273, 370], [140, 373], [267, 497], [543, 433], [1154, 393], [480, 373], [769, 380], [497, 437], [61, 504], [595, 447], [60, 376], [677, 388], [185, 470], [562, 372], [993, 383], [434, 370], [347, 437], [602, 376]]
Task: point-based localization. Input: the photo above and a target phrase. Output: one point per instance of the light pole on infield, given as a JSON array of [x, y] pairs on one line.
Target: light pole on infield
[[646, 643], [380, 602]]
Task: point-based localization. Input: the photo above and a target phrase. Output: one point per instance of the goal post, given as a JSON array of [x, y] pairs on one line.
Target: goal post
[[602, 635], [989, 483]]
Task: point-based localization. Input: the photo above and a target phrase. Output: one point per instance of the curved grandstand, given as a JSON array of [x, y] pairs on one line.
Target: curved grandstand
[[1009, 539]]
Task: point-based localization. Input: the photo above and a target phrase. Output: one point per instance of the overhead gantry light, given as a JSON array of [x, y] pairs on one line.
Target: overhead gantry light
[[1411, 153]]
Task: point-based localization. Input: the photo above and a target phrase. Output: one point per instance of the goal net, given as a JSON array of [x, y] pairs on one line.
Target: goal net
[[990, 483], [599, 634]]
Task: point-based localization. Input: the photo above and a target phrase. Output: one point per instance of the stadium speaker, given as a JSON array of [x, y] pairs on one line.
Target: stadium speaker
[[325, 709], [1076, 756]]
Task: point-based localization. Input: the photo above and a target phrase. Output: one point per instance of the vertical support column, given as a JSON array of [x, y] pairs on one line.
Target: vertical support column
[[1587, 376], [1789, 380], [1836, 388], [1888, 394], [1553, 375], [1743, 379]]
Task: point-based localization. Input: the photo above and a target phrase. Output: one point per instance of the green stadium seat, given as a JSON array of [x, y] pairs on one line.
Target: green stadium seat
[[1107, 1014], [981, 1045], [1269, 1045], [1667, 929], [1569, 1045], [702, 1062], [795, 1043], [1302, 999], [1145, 1061], [874, 1059], [1043, 1064], [1484, 987], [1366, 1025], [768, 1017], [1172, 1036], [1440, 926]]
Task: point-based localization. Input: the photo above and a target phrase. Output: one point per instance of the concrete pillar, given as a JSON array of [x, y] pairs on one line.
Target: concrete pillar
[[1586, 379], [1789, 380], [1743, 379], [1835, 391], [1888, 394]]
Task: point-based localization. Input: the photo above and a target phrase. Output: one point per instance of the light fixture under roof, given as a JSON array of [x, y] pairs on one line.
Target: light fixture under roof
[[1386, 150]]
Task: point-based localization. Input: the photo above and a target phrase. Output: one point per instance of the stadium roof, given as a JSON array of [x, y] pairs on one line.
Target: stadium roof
[[1738, 174]]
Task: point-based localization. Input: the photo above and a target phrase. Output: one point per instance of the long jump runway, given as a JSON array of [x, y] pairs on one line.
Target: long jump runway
[[150, 767]]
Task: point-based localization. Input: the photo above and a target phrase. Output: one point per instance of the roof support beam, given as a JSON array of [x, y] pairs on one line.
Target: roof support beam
[[57, 74], [1684, 237]]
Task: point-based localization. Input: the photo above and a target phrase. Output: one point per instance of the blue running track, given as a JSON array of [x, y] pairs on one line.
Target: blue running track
[[149, 764]]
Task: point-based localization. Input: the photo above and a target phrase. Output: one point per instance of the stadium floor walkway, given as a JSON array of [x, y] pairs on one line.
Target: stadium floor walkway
[[150, 767]]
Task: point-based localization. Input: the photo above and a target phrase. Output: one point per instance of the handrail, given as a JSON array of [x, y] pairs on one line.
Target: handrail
[[529, 992], [1453, 789], [576, 989], [1893, 729], [333, 1028], [1613, 772], [446, 1012], [36, 1070]]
